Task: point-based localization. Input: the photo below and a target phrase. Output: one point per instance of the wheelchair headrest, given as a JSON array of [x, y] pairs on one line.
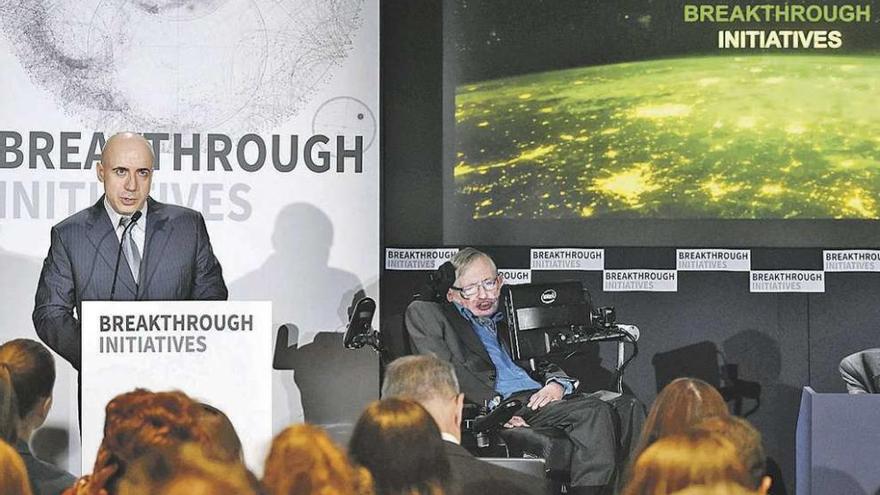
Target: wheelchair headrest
[[438, 284]]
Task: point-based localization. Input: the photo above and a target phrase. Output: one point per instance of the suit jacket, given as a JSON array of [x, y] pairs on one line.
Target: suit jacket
[[440, 329], [861, 372], [471, 476], [177, 264]]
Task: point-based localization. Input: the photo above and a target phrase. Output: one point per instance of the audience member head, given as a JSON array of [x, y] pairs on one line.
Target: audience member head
[[431, 382], [303, 460], [681, 404], [747, 441], [678, 461], [186, 469], [31, 369], [477, 283], [400, 444], [141, 422], [13, 475], [716, 489], [8, 407], [223, 441]]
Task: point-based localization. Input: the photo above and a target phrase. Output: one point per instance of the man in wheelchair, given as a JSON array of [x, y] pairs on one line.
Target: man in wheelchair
[[464, 331]]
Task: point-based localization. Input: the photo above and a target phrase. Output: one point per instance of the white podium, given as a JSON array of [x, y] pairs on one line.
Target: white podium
[[218, 352]]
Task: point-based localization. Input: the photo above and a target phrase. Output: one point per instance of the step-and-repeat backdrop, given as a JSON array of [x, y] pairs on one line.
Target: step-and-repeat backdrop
[[654, 279], [264, 117]]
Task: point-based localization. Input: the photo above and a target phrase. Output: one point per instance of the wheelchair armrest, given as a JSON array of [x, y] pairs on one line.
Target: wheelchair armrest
[[470, 411], [496, 419]]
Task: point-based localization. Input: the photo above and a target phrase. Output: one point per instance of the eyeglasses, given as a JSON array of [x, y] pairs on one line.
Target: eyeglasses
[[472, 290]]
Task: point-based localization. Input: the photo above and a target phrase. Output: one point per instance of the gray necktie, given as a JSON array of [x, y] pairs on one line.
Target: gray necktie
[[132, 255]]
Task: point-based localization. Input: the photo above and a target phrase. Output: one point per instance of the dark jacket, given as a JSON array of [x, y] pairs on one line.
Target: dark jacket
[[471, 476], [440, 329], [861, 372], [45, 478], [178, 264]]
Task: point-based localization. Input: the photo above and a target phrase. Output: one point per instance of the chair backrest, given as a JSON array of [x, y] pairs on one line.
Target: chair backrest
[[395, 338]]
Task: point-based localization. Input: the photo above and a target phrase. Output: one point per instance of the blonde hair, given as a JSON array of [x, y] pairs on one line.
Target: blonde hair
[[678, 461], [716, 489], [681, 404], [303, 460], [747, 441], [186, 468], [13, 475]]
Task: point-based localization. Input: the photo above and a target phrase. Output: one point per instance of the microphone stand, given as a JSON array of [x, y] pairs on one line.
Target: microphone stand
[[134, 218]]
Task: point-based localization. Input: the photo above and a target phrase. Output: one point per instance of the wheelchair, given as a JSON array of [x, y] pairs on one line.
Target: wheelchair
[[483, 433]]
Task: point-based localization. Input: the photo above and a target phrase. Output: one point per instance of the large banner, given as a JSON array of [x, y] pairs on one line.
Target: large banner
[[263, 116]]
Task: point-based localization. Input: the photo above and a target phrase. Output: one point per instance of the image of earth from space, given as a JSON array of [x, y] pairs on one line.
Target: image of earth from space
[[751, 137]]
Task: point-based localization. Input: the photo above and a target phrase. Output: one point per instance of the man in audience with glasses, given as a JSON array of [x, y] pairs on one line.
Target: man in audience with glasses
[[464, 332]]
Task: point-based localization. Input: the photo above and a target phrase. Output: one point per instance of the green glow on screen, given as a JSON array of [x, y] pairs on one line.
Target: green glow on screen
[[752, 137]]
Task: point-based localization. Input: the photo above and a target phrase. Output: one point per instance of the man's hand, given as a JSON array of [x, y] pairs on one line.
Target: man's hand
[[515, 421], [553, 391]]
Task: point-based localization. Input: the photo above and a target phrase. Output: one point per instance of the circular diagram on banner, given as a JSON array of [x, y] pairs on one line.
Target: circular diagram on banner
[[183, 66], [344, 116]]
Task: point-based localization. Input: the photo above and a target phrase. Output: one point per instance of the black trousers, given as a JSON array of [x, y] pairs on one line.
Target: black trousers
[[593, 428]]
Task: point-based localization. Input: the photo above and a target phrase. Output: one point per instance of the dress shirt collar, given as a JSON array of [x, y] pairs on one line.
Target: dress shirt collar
[[469, 316], [449, 437], [114, 216]]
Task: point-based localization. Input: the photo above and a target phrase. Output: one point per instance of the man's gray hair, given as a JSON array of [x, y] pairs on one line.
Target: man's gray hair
[[420, 378], [463, 259]]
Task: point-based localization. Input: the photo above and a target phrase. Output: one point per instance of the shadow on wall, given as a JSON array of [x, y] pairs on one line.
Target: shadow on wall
[[50, 444], [587, 365], [759, 359], [309, 305], [335, 383]]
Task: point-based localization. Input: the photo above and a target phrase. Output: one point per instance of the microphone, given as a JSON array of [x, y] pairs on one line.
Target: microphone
[[631, 330], [134, 218]]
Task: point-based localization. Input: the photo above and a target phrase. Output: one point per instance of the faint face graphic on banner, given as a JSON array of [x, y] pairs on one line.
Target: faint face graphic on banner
[[186, 66]]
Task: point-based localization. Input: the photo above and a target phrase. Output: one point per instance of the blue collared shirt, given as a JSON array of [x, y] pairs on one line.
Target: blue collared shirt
[[510, 377]]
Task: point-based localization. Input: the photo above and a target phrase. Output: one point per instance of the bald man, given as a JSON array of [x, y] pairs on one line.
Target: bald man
[[166, 253]]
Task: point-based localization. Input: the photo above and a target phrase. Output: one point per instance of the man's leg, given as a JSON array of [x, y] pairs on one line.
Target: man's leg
[[630, 415], [589, 423]]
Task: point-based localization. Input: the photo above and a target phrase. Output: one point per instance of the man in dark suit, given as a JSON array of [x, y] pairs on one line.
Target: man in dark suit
[[167, 252], [433, 384], [464, 332], [861, 372]]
